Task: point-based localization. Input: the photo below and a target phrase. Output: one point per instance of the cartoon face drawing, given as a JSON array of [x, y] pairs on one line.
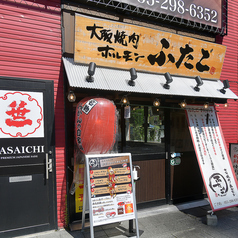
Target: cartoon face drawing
[[218, 185]]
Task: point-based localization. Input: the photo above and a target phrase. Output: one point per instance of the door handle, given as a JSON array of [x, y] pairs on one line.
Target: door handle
[[48, 165]]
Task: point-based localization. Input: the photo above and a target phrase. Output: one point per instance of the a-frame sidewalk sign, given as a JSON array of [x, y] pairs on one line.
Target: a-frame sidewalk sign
[[109, 190]]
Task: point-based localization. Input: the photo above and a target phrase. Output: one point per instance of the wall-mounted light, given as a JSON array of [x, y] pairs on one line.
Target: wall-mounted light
[[183, 104], [71, 96], [131, 82], [226, 85], [168, 80], [199, 83], [91, 72], [124, 100], [226, 105], [156, 102], [206, 105]]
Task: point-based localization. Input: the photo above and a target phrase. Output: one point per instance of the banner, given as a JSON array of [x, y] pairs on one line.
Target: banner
[[213, 158]]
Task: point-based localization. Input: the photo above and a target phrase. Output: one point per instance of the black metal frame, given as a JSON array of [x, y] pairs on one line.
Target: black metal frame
[[122, 7]]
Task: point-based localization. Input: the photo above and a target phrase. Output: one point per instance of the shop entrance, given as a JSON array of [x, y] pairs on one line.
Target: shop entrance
[[151, 136], [27, 157], [144, 138], [186, 179]]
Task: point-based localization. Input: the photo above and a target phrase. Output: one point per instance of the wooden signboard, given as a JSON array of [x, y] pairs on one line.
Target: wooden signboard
[[125, 46], [109, 190]]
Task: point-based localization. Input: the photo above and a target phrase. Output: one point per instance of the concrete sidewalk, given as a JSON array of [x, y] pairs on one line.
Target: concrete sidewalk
[[169, 221]]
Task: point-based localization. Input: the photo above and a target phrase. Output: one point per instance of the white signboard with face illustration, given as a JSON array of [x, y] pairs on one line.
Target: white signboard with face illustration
[[21, 114], [213, 158]]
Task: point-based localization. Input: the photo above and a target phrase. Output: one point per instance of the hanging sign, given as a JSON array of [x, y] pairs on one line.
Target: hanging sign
[[125, 46], [201, 11], [213, 158], [95, 125], [111, 190], [234, 157]]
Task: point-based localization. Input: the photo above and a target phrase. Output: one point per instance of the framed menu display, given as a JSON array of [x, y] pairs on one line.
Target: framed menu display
[[213, 157], [109, 190]]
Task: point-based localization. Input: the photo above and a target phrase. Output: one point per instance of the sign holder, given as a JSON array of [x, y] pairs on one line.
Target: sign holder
[[109, 192]]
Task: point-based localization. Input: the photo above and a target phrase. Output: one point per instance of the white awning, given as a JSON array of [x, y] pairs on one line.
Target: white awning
[[117, 80]]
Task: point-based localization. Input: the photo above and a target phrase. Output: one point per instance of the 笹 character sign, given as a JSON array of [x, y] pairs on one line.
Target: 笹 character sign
[[21, 114]]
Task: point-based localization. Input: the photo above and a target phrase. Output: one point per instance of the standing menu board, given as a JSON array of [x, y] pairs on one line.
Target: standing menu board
[[110, 189], [213, 158]]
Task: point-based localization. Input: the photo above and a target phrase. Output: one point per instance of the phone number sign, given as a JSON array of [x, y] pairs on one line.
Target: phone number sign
[[201, 11]]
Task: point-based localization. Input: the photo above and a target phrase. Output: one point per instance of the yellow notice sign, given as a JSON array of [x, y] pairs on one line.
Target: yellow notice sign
[[119, 45], [79, 198]]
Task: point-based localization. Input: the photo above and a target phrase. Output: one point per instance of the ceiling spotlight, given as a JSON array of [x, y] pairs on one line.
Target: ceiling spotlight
[[168, 80], [156, 102], [199, 83], [131, 82], [206, 105], [226, 85], [71, 96], [125, 100], [183, 104], [91, 71]]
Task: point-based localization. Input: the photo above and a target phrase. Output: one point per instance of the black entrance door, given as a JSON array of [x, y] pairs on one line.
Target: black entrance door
[[144, 138], [27, 157]]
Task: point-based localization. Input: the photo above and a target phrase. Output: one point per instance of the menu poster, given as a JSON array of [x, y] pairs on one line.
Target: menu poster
[[213, 158], [111, 189], [234, 157]]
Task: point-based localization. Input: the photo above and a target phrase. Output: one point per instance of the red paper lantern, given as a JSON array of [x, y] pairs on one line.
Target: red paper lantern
[[95, 125]]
